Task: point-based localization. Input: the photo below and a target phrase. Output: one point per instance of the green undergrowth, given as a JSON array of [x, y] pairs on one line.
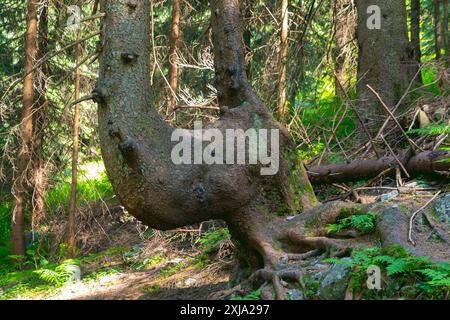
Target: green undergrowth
[[403, 275], [326, 113], [93, 185], [29, 276], [27, 283], [254, 295], [432, 130], [5, 232], [208, 243], [365, 223], [429, 79]]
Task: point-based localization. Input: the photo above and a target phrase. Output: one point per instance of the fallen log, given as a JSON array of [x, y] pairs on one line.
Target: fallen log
[[425, 163]]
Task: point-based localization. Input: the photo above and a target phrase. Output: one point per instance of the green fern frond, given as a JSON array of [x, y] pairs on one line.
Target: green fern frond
[[433, 130]]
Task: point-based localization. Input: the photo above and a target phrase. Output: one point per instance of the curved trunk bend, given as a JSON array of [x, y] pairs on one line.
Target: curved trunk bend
[[136, 143]]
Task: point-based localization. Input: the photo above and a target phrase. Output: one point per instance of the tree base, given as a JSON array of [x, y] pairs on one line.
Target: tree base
[[274, 256]]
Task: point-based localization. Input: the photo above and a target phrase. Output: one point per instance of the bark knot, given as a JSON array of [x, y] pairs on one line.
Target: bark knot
[[129, 57]]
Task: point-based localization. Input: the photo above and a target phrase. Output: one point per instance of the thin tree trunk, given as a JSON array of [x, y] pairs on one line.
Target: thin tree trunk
[[38, 170], [445, 38], [23, 160], [437, 30], [173, 59], [73, 191], [284, 48], [415, 36], [339, 37], [247, 9], [300, 51], [345, 22]]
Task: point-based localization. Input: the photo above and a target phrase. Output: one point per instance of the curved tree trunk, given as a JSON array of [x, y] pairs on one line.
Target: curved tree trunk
[[136, 143], [136, 147]]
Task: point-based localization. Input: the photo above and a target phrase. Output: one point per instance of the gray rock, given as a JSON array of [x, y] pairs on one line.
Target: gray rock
[[335, 283], [75, 272], [388, 196], [295, 294], [190, 281], [442, 208]]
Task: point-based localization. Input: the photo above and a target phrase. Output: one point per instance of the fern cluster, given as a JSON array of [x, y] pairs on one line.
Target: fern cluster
[[428, 279], [211, 238], [432, 130], [57, 276], [364, 222], [254, 295]]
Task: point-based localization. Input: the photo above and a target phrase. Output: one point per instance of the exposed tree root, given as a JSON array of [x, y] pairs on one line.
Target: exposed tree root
[[281, 247], [284, 248]]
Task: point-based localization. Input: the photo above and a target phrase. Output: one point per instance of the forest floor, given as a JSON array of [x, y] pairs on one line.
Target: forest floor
[[189, 282], [163, 266], [124, 261]]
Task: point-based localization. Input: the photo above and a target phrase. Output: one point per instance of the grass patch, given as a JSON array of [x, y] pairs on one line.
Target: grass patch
[[170, 270], [153, 289], [93, 184]]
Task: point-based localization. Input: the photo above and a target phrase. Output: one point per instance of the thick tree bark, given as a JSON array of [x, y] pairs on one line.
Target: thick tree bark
[[136, 143], [425, 163], [283, 59], [39, 116], [23, 160], [173, 59], [437, 29], [384, 62], [73, 189], [415, 36]]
